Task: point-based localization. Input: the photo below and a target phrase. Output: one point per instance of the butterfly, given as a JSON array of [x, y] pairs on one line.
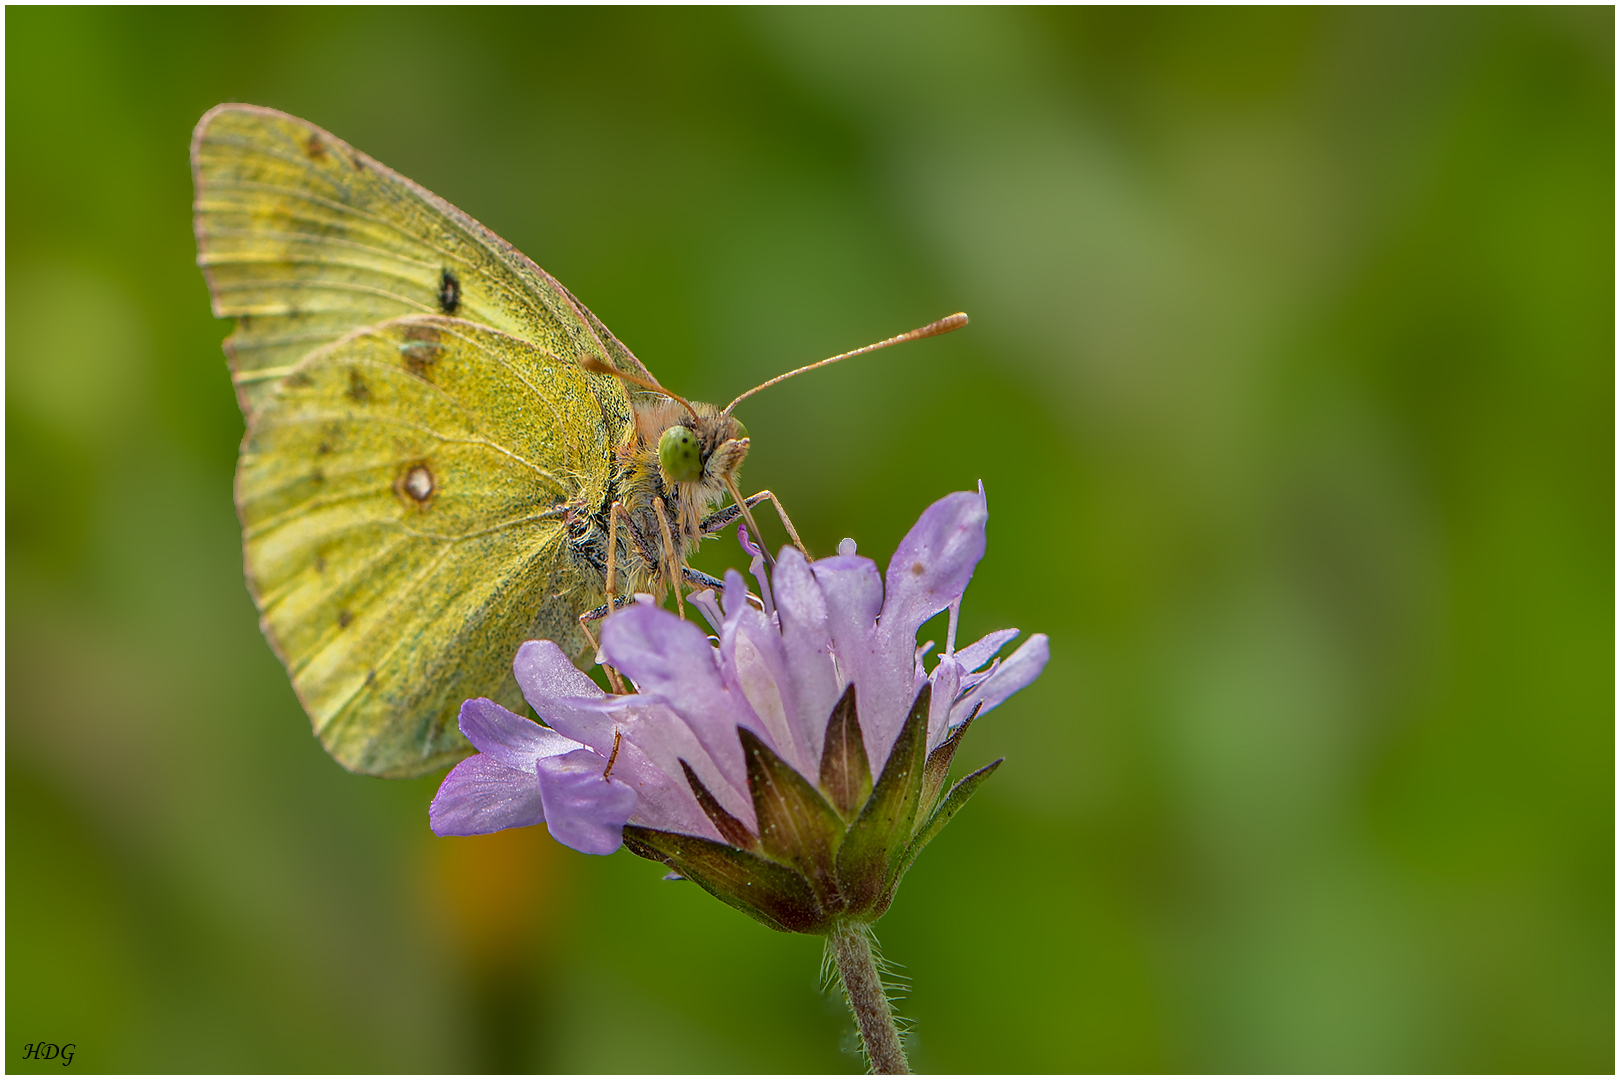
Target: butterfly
[[446, 453]]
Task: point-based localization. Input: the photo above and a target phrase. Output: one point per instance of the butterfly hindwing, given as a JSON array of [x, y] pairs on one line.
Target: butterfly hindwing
[[402, 496], [303, 238]]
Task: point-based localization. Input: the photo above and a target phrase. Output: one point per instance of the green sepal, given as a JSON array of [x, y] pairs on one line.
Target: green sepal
[[938, 767], [776, 895], [796, 826], [958, 797], [874, 842], [846, 772], [732, 830]]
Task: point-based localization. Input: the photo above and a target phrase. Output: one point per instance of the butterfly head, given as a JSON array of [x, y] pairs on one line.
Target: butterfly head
[[705, 447]]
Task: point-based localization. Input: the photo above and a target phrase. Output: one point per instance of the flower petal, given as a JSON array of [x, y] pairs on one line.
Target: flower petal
[[543, 670], [753, 660], [572, 703], [756, 663], [515, 741], [978, 654], [735, 597], [663, 801], [666, 740], [947, 680], [564, 696], [583, 809], [483, 796], [853, 591], [672, 660], [801, 610], [878, 666], [1015, 673], [933, 564]]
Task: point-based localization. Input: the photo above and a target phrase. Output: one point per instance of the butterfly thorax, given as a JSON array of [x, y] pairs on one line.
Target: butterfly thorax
[[687, 483]]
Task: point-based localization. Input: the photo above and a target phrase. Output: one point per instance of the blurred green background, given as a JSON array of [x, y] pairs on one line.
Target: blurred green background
[[1290, 379]]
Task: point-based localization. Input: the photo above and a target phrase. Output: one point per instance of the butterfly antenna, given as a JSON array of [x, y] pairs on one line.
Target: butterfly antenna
[[933, 329], [599, 366]]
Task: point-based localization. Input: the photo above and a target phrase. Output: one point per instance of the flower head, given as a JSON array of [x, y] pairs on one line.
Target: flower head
[[792, 763]]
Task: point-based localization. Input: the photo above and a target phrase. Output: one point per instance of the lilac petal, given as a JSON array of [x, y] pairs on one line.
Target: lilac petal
[[736, 595], [853, 592], [672, 660], [1014, 673], [564, 696], [543, 670], [583, 809], [483, 796], [883, 665], [881, 668], [753, 660], [662, 801], [515, 741], [932, 566], [947, 680], [978, 654], [801, 610], [666, 740], [921, 651], [974, 678], [747, 544]]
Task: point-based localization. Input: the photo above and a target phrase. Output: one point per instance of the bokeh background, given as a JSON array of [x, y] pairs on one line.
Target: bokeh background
[[1290, 379]]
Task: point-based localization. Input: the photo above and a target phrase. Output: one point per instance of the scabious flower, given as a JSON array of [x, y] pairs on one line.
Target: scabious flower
[[793, 763]]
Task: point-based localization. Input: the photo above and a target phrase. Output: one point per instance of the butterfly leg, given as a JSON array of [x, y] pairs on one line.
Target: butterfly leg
[[698, 577], [612, 583], [668, 561], [721, 518]]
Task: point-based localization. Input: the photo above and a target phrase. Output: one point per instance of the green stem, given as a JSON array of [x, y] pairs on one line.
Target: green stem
[[863, 988]]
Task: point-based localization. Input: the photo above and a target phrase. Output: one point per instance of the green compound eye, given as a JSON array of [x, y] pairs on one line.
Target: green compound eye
[[678, 455], [742, 430]]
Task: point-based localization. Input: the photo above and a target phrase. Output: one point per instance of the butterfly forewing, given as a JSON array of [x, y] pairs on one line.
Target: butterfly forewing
[[303, 239], [402, 497]]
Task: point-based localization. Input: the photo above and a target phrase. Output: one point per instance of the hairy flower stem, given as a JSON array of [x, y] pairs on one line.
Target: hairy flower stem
[[863, 989]]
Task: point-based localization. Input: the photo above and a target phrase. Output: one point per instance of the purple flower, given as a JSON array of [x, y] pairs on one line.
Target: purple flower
[[793, 763]]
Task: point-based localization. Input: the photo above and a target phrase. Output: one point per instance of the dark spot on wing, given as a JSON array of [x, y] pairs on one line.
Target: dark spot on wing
[[317, 477], [320, 564], [315, 148], [417, 483], [358, 390], [449, 293], [324, 448], [371, 676], [421, 349], [297, 380], [345, 617]]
